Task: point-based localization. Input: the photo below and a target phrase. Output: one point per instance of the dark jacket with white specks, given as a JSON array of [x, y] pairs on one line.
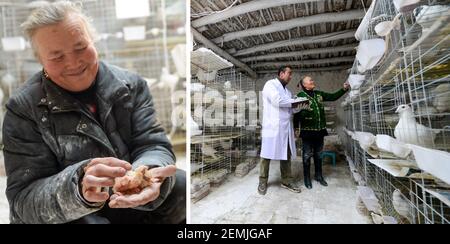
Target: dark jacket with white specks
[[49, 137]]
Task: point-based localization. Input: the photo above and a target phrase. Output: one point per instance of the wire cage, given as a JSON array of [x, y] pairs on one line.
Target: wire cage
[[405, 95], [430, 204], [224, 111]]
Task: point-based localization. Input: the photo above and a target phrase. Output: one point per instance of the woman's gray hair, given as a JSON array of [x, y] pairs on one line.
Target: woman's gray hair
[[54, 13]]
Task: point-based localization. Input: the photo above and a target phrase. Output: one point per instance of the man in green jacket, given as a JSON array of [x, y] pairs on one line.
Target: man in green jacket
[[313, 126]]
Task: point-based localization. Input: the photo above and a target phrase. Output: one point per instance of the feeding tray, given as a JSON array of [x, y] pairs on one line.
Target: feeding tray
[[242, 169], [369, 199], [217, 177], [207, 60], [433, 161], [199, 189], [397, 168]]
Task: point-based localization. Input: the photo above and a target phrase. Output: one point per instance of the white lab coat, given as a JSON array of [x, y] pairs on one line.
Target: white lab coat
[[277, 126]]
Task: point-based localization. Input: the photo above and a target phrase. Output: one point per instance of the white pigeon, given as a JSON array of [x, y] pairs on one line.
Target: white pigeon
[[168, 80], [227, 85], [233, 98], [208, 150], [150, 82], [356, 81], [405, 5], [197, 87], [427, 15], [441, 100], [409, 131], [7, 83], [402, 205], [195, 129]]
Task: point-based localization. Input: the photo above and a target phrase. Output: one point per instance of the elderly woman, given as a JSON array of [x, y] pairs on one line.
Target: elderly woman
[[312, 123], [77, 126]]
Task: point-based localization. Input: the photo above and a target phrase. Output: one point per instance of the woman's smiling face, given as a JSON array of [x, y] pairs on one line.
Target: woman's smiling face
[[68, 54]]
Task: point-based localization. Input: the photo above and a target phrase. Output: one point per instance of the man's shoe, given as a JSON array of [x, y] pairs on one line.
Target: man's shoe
[[262, 188], [322, 181], [291, 187]]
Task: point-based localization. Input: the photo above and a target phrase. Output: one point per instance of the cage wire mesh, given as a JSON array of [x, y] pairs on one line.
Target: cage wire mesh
[[227, 142], [413, 71]]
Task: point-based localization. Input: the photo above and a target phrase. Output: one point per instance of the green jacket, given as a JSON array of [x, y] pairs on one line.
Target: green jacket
[[314, 119]]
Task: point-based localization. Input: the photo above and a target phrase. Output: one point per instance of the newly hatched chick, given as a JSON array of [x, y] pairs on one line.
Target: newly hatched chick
[[133, 182]]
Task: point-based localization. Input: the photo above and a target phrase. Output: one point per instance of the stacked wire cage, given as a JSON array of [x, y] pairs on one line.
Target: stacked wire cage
[[410, 83], [224, 114], [211, 137]]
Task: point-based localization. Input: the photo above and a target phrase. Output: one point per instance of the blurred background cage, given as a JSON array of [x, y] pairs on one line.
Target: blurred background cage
[[404, 94], [223, 124], [144, 36]]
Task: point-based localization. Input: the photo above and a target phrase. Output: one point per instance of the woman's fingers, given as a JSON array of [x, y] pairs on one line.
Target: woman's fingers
[[92, 195], [102, 170], [113, 162], [93, 181]]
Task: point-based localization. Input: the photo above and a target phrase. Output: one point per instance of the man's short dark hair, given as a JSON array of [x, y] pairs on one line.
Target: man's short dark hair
[[283, 69]]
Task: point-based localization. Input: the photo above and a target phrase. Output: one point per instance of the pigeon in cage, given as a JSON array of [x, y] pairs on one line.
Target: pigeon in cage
[[427, 15], [404, 6], [385, 27], [227, 85], [168, 80], [409, 131], [7, 83], [369, 53], [441, 100], [356, 81], [402, 205], [197, 87], [195, 129], [208, 150]]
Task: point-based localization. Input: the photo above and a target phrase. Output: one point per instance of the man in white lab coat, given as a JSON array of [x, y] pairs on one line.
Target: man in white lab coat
[[278, 141]]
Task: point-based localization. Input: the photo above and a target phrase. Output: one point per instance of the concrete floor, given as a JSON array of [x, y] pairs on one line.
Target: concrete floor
[[237, 202]]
